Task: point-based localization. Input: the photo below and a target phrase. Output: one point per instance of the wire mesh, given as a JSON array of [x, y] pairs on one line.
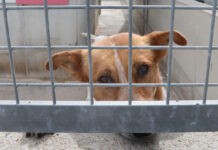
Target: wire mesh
[[98, 115], [130, 47]]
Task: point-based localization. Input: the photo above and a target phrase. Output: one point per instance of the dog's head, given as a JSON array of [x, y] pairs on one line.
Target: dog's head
[[111, 66]]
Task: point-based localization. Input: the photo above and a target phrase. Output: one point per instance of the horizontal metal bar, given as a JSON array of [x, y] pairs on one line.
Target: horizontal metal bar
[[111, 7], [42, 7], [110, 47], [48, 84], [139, 47], [152, 7], [107, 103], [96, 119]]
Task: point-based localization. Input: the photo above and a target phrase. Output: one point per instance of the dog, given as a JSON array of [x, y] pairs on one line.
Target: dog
[[111, 65]]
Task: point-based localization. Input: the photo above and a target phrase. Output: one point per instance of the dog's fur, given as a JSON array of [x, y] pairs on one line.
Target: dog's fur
[[113, 64]]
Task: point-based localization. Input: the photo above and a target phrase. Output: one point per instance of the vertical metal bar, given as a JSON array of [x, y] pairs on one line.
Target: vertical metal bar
[[130, 54], [170, 51], [10, 51], [89, 51], [209, 51], [49, 51]]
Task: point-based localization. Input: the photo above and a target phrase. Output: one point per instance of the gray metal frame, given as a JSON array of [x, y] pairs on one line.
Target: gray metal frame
[[117, 119], [80, 117]]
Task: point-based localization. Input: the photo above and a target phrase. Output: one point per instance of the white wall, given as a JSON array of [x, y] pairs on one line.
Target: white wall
[[8, 1], [189, 66], [138, 19], [27, 28]]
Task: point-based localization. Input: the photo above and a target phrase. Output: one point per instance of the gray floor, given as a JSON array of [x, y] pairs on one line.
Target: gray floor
[[164, 141], [74, 141]]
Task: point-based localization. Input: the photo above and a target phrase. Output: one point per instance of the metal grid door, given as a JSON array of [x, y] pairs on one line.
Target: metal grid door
[[150, 117]]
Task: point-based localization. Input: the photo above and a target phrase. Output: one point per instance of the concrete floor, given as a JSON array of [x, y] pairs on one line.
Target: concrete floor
[[74, 141], [163, 141]]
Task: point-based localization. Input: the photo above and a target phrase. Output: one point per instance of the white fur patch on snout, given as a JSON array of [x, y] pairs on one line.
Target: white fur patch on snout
[[121, 73], [120, 69]]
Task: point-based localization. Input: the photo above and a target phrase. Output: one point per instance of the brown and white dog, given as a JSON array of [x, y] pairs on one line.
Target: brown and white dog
[[111, 66]]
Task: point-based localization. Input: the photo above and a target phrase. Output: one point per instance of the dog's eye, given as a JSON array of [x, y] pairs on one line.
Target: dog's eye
[[142, 70], [105, 79]]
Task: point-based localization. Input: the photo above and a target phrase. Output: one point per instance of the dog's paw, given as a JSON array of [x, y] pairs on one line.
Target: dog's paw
[[141, 135], [38, 135], [137, 137]]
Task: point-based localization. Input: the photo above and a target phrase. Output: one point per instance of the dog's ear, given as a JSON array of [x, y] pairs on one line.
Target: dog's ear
[[161, 38], [71, 61]]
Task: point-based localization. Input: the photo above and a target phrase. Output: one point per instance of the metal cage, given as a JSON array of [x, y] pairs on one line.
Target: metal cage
[[121, 116]]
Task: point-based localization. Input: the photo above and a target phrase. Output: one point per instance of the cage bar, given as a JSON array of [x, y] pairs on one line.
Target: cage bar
[[49, 52], [98, 119], [111, 47], [170, 50], [209, 51], [111, 7], [130, 54], [89, 51], [47, 84], [10, 51]]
